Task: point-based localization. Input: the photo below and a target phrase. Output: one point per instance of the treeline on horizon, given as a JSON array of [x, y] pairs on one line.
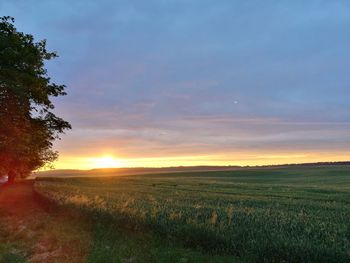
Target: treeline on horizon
[[174, 169]]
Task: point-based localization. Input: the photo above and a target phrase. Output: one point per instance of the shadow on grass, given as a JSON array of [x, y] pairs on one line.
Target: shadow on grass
[[115, 244]]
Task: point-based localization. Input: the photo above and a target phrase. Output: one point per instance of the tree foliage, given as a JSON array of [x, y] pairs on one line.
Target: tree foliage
[[28, 126]]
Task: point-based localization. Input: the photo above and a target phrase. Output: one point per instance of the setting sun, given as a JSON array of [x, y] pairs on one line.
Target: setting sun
[[105, 162]]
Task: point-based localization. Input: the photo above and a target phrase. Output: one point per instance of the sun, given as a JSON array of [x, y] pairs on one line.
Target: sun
[[105, 162]]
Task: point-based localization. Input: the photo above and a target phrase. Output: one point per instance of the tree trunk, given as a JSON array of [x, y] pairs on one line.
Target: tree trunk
[[11, 177]]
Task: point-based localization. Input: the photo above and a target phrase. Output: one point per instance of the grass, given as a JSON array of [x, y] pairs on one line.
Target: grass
[[293, 214], [9, 254], [29, 233], [115, 244]]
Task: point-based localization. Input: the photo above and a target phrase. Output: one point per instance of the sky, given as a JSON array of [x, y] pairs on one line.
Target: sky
[[205, 82]]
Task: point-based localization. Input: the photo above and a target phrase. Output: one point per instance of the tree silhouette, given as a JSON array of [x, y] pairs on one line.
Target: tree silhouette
[[27, 125]]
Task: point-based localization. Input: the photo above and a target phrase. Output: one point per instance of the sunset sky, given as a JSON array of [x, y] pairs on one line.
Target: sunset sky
[[181, 82]]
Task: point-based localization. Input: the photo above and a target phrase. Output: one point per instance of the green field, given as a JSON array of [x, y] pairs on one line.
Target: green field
[[291, 214]]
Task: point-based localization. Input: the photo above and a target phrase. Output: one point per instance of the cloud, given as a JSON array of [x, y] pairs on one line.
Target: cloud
[[159, 78]]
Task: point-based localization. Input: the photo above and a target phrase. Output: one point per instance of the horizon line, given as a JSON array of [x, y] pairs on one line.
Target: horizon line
[[346, 162]]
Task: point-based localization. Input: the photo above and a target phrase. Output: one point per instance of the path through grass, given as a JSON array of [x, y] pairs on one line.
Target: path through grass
[[29, 233]]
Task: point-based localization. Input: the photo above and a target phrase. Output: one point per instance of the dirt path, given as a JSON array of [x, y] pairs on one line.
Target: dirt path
[[37, 234]]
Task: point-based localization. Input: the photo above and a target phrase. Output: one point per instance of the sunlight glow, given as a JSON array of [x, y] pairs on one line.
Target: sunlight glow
[[238, 158], [105, 162]]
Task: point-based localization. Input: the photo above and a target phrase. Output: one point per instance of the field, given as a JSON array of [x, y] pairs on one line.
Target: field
[[291, 214]]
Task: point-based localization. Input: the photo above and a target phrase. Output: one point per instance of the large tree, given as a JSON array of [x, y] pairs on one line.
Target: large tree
[[28, 126]]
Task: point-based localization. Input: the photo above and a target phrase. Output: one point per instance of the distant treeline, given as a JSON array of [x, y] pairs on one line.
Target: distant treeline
[[177, 169], [306, 164]]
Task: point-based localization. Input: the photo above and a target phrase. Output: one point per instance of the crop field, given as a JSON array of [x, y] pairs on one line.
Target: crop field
[[291, 214]]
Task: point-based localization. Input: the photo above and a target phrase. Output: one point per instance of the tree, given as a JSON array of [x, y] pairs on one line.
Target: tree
[[28, 126]]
